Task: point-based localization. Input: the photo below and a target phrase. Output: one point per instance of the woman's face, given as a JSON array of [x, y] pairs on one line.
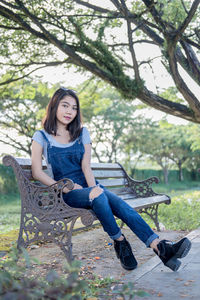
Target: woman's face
[[67, 110]]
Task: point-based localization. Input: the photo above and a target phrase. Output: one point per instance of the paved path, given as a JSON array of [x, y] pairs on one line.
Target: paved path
[[164, 284]]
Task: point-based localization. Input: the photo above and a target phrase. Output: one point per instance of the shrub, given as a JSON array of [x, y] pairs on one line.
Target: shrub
[[14, 285], [8, 182]]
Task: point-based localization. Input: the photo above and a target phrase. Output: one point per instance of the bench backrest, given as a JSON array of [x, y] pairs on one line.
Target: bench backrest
[[110, 175]]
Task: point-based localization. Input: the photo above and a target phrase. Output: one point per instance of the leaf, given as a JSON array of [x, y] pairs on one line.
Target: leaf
[[51, 276]]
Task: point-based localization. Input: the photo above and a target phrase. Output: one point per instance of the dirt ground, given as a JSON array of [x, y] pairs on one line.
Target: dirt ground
[[95, 251]]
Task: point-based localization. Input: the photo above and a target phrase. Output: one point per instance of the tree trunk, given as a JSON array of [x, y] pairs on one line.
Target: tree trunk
[[166, 173], [180, 172]]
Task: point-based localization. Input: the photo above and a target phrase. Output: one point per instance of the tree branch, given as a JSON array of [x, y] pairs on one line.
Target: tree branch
[[16, 18], [11, 28], [175, 109], [94, 7], [131, 48], [20, 77], [180, 84], [15, 144], [187, 20]]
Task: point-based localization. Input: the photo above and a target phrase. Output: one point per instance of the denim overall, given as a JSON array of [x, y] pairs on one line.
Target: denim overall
[[66, 163]]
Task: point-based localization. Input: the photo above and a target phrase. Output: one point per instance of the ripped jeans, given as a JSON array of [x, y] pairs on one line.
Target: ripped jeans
[[106, 206]]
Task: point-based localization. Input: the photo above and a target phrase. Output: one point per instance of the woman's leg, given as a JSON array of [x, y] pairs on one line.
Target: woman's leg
[[96, 199], [81, 198], [129, 216], [166, 250]]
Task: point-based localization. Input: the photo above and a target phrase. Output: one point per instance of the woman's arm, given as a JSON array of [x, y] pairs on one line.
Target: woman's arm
[[86, 167], [37, 171]]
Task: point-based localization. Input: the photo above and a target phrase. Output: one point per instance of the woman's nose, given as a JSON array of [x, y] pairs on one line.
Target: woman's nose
[[69, 109]]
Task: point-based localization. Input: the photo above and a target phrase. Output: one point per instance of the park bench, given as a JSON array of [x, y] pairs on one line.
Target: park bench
[[46, 217]]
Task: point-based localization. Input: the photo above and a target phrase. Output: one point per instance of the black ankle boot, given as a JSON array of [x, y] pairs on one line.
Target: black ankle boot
[[124, 253], [169, 252]]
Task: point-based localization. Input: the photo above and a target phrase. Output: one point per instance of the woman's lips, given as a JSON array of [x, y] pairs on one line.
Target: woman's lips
[[67, 118]]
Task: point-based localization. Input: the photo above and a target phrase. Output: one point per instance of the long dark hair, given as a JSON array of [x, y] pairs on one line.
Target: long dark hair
[[49, 122]]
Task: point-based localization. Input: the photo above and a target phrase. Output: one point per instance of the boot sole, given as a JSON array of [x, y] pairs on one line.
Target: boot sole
[[129, 268], [174, 263], [184, 249]]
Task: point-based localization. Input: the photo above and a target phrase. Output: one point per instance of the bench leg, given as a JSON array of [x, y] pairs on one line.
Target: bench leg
[[152, 212], [64, 236], [58, 231], [21, 243], [67, 249], [20, 240]]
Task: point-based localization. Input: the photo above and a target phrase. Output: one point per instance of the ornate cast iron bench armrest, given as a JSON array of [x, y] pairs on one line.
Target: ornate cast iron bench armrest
[[141, 188]]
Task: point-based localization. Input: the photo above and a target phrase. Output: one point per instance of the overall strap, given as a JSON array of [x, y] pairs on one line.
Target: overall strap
[[44, 136], [80, 136], [81, 132]]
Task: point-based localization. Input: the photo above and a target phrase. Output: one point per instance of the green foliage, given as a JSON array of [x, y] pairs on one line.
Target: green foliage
[[195, 137], [8, 182], [100, 39], [182, 213], [173, 176], [21, 112], [171, 93], [9, 212], [173, 11], [163, 143], [14, 284], [111, 116]]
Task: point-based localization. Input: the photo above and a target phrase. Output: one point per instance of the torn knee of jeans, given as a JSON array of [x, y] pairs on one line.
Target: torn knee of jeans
[[95, 192]]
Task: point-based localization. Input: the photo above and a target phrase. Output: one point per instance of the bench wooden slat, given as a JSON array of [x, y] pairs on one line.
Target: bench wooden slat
[[112, 182], [149, 201], [108, 174], [25, 163], [106, 182], [105, 166], [118, 190], [127, 196]]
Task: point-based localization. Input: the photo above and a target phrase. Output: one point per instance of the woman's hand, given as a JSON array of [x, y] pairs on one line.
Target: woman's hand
[[77, 186]]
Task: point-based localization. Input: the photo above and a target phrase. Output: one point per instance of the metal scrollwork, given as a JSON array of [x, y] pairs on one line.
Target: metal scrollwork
[[87, 219]]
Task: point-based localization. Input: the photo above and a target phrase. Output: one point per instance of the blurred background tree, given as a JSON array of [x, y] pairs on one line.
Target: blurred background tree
[[117, 41]]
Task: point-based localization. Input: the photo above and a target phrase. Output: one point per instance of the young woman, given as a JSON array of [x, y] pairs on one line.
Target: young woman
[[66, 146]]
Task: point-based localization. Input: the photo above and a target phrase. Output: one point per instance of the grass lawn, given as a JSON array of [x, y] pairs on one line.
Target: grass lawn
[[9, 212], [176, 188], [184, 210]]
